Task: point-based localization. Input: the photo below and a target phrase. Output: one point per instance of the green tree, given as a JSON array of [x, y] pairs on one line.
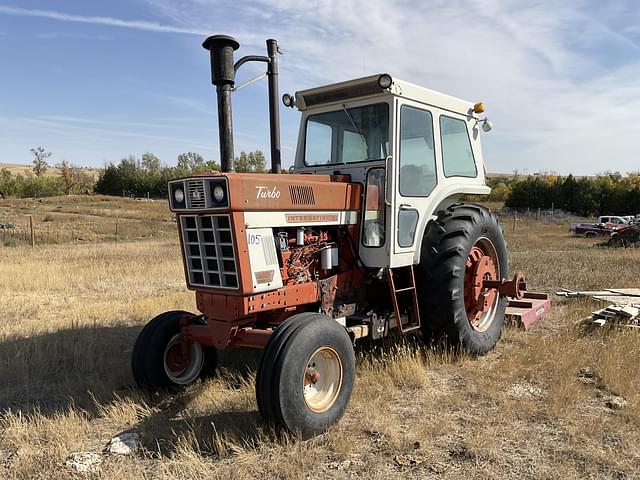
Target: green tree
[[110, 181], [212, 166], [252, 162], [150, 162], [189, 162], [40, 160], [9, 184]]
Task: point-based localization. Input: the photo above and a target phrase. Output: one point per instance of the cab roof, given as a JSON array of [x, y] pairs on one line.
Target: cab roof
[[338, 93]]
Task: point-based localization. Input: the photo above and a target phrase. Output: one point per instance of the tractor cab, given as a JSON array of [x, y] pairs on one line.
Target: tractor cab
[[415, 150]]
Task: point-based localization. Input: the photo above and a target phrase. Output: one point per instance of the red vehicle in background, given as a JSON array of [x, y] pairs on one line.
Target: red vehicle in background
[[593, 229]]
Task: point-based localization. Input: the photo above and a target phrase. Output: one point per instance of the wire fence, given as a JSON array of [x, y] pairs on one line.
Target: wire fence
[[26, 231]]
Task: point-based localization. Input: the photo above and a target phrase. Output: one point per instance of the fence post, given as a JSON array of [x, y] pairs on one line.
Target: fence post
[[515, 214], [116, 229], [33, 235]]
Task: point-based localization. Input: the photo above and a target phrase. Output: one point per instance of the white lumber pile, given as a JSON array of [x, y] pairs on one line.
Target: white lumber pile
[[624, 308]]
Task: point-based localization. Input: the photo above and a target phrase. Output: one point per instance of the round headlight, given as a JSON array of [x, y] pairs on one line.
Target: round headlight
[[289, 100], [218, 193], [178, 195], [385, 80]]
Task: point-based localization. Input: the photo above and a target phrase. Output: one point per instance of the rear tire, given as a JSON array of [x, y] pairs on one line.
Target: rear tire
[[156, 361], [456, 242], [306, 374]]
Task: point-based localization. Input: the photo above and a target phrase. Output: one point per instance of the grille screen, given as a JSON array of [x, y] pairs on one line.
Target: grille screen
[[209, 253], [302, 195], [197, 197]]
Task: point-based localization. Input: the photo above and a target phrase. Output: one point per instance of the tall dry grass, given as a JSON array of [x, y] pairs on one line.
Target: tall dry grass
[[538, 406], [84, 219]]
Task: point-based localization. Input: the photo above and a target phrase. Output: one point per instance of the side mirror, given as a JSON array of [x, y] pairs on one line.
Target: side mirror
[[487, 126]]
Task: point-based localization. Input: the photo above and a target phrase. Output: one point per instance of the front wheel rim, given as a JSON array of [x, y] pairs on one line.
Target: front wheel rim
[[181, 369], [322, 379]]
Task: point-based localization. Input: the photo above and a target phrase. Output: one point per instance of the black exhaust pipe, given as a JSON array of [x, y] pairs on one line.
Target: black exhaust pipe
[[274, 105], [223, 74]]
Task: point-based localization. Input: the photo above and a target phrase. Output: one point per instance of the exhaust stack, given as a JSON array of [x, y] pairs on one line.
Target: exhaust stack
[[223, 74]]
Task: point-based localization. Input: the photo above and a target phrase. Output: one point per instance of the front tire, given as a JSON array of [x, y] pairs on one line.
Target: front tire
[[460, 249], [157, 361], [306, 374]]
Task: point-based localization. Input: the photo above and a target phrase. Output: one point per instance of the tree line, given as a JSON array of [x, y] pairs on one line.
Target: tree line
[[148, 177], [131, 176], [607, 194], [610, 193]]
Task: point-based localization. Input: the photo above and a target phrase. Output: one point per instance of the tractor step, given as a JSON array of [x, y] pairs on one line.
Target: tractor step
[[413, 322], [525, 312]]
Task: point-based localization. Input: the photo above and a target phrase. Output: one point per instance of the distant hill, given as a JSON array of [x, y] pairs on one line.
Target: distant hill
[[27, 170]]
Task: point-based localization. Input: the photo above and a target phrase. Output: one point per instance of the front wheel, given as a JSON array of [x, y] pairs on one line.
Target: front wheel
[[158, 362], [463, 247], [306, 374]]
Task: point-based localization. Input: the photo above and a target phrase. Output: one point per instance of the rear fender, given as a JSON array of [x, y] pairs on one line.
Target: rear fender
[[451, 195]]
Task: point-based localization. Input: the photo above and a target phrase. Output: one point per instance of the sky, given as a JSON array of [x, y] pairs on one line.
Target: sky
[[94, 82]]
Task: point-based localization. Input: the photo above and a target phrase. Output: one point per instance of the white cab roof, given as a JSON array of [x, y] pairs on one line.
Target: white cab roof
[[338, 93]]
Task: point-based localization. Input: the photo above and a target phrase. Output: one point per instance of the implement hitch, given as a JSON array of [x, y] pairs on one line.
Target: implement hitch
[[514, 288], [524, 308]]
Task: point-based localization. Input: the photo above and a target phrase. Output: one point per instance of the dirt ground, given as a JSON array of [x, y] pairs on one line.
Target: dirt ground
[[553, 402]]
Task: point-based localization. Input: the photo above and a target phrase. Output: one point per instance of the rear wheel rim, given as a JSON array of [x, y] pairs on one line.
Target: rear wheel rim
[[481, 303], [182, 369], [322, 379]]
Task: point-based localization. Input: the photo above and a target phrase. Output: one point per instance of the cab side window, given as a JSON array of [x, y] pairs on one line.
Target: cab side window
[[417, 155], [457, 155]]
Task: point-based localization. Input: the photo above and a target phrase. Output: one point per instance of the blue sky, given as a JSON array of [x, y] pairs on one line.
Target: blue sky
[[96, 81]]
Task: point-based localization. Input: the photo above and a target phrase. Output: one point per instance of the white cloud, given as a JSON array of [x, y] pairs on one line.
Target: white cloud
[[77, 36], [96, 20], [559, 79]]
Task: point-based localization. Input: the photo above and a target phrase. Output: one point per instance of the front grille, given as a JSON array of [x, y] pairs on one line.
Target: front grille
[[209, 252], [196, 192]]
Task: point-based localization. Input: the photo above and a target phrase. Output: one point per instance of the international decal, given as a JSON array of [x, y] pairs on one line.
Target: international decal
[[311, 217]]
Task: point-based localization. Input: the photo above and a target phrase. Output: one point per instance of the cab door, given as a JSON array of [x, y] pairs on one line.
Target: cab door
[[415, 176]]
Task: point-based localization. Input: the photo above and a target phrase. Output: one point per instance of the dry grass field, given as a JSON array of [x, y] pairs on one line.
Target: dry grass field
[[27, 170], [83, 219], [538, 406]]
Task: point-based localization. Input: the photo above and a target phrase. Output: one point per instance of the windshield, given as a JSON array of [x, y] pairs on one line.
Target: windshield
[[348, 135]]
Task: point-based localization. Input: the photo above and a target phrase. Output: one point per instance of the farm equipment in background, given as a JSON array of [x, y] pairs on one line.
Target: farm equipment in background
[[366, 237]]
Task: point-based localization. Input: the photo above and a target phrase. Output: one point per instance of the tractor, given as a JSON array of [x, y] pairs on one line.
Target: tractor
[[365, 237]]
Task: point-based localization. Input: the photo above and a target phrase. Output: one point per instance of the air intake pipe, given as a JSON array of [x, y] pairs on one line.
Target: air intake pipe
[[223, 73]]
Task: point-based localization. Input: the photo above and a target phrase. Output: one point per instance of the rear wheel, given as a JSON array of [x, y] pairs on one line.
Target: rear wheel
[[463, 247], [306, 374], [158, 361]]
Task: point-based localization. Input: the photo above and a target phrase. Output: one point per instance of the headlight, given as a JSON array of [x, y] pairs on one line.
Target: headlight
[[385, 80], [218, 193], [178, 195]]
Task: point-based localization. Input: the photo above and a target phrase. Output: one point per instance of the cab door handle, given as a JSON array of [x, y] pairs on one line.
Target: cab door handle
[[405, 206]]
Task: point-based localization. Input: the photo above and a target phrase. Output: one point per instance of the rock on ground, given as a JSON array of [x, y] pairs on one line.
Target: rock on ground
[[84, 462], [123, 443]]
